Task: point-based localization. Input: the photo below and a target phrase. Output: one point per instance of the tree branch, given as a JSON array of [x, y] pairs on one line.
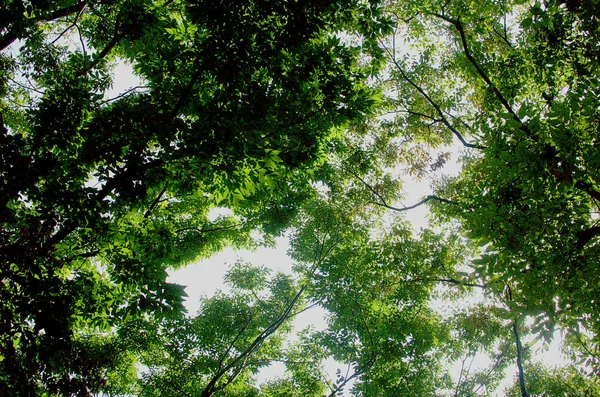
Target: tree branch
[[155, 202], [425, 200], [13, 34], [72, 25], [115, 182], [451, 280], [212, 387], [463, 38], [215, 229], [437, 108], [520, 360], [585, 236], [359, 371], [375, 192], [589, 189], [124, 94], [102, 54]]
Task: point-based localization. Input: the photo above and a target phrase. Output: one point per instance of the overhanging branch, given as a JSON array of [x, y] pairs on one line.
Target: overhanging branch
[[420, 203], [14, 33]]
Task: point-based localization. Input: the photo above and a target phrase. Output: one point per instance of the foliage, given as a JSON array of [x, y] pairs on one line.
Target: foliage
[[285, 116], [557, 382], [514, 84], [99, 195]]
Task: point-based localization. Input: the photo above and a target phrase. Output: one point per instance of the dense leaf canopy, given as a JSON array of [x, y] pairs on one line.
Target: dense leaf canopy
[[301, 119]]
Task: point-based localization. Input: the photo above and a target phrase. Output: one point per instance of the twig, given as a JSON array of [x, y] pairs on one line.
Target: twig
[[124, 94], [72, 25], [356, 373]]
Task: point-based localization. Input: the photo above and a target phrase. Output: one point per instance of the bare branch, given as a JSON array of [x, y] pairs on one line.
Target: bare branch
[[124, 94], [425, 200], [375, 192], [14, 33], [72, 25]]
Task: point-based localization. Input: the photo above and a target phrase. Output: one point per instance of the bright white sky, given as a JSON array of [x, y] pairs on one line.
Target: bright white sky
[[206, 277]]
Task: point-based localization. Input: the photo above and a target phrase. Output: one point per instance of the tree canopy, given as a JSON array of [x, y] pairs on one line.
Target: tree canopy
[[302, 118]]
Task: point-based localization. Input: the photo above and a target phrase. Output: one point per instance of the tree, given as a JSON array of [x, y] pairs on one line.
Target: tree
[[262, 108], [557, 382], [514, 84], [100, 196]]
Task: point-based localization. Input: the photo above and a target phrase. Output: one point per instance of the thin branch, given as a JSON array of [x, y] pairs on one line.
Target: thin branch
[[437, 108], [155, 202], [186, 93], [115, 182], [90, 254], [14, 33], [233, 342], [384, 204], [586, 187], [463, 38], [72, 25], [460, 120], [425, 200], [304, 310], [81, 40], [460, 375], [375, 192], [30, 88], [451, 280], [124, 94], [237, 364], [487, 375], [364, 320], [215, 229], [359, 371], [102, 54], [584, 345], [212, 387]]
